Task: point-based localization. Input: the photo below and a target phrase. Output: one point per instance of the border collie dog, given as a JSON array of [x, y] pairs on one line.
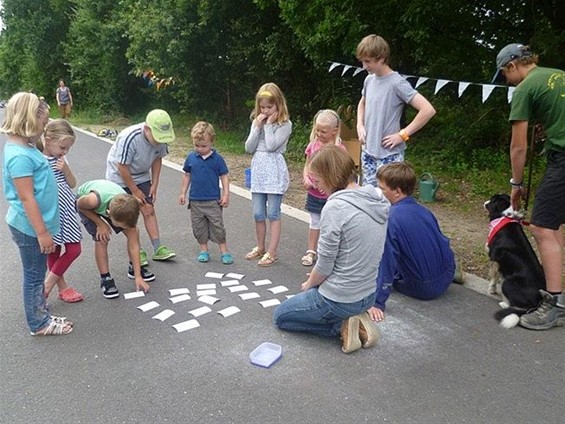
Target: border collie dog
[[514, 264]]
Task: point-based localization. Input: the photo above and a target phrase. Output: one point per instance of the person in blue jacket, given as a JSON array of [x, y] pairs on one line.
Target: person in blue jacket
[[417, 259]]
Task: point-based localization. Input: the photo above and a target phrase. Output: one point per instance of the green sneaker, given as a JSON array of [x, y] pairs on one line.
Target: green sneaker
[[143, 258], [163, 253]]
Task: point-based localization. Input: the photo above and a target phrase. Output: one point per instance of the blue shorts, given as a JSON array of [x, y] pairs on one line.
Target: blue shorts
[[145, 187]]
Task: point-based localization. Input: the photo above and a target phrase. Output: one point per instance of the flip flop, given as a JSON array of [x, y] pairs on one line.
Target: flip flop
[[267, 260], [70, 295]]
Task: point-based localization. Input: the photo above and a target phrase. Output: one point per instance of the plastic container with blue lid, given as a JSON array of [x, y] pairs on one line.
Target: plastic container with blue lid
[[266, 354]]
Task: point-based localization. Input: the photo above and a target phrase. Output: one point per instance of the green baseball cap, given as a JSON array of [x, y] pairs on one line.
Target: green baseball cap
[[161, 126]]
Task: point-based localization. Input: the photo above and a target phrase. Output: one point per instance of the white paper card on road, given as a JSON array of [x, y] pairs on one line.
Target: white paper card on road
[[176, 292], [205, 286], [288, 296], [229, 311], [236, 289], [208, 299], [163, 315], [133, 295], [148, 306], [180, 298], [214, 275], [278, 289], [211, 292], [270, 302], [186, 325], [229, 283], [200, 311], [250, 295], [234, 275], [262, 282]]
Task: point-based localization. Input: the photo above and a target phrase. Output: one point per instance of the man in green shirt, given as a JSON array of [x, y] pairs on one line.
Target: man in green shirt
[[539, 97]]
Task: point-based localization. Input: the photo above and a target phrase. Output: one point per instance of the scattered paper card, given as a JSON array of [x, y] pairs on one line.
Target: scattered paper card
[[200, 311], [148, 306], [229, 283], [214, 275], [270, 302], [208, 299], [236, 289], [288, 296], [262, 282], [250, 295], [176, 292], [205, 286], [234, 275], [211, 292], [180, 298], [135, 294], [278, 289], [163, 315], [186, 325], [229, 311]]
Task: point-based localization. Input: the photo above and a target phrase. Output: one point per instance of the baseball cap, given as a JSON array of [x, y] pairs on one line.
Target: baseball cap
[[507, 55], [161, 126]]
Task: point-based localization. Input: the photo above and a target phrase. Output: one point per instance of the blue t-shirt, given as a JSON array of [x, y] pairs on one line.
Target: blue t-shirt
[[205, 175], [416, 251], [23, 161]]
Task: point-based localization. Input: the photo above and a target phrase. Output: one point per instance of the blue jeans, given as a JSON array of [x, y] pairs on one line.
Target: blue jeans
[[266, 206], [311, 312], [34, 265]]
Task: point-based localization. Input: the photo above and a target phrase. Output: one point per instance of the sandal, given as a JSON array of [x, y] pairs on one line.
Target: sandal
[[70, 295], [62, 320], [203, 256], [309, 258], [267, 260], [227, 259], [54, 328], [255, 253]]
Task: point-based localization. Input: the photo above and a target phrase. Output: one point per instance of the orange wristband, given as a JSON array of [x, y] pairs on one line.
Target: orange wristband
[[404, 135]]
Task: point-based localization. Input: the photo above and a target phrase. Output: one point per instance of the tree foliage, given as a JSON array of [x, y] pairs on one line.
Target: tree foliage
[[218, 52]]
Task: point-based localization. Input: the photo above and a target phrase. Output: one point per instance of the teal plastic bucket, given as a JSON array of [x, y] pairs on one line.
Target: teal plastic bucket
[[428, 187]]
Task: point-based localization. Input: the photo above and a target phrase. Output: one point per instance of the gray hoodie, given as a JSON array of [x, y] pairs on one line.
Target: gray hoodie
[[352, 237]]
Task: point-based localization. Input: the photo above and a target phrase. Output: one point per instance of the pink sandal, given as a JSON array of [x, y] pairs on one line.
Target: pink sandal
[[70, 295]]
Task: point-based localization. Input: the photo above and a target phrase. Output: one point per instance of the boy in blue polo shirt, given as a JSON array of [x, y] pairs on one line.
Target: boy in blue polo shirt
[[203, 169]]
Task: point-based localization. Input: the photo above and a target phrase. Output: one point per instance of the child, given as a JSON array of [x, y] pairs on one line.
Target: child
[[381, 108], [203, 168], [105, 206], [325, 132], [267, 140], [30, 187], [59, 137], [417, 260]]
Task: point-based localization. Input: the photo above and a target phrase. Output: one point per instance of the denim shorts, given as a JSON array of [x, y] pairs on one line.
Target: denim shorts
[[266, 205]]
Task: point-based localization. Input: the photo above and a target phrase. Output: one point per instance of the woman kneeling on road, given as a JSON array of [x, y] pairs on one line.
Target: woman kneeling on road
[[341, 286]]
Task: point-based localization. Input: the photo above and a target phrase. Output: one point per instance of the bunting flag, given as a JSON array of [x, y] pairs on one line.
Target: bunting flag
[[159, 83], [487, 89]]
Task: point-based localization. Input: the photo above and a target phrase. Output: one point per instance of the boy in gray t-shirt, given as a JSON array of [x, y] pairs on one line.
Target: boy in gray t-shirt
[[380, 109]]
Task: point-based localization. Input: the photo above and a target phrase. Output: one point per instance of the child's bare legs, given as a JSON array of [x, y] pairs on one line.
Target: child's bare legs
[[101, 257], [261, 232], [203, 247], [223, 247], [313, 236], [275, 227], [58, 264], [53, 280]]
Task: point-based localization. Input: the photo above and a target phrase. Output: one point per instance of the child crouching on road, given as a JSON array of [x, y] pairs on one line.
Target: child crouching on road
[[203, 169], [104, 206]]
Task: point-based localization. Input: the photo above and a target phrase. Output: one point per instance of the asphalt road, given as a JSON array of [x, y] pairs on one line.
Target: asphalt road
[[443, 361]]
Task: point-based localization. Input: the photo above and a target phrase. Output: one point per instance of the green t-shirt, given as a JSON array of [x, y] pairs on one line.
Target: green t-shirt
[[541, 97], [104, 189]]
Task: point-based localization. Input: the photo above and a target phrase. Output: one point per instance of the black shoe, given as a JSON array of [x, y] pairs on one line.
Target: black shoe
[[145, 274], [109, 289]]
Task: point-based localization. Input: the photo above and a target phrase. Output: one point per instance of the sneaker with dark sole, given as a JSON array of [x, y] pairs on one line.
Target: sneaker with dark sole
[[163, 253], [145, 274], [546, 316], [109, 289], [143, 258]]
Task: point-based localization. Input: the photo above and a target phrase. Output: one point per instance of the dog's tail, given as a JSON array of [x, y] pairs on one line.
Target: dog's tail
[[509, 317]]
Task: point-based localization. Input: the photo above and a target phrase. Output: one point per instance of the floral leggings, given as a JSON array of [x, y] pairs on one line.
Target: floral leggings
[[370, 165]]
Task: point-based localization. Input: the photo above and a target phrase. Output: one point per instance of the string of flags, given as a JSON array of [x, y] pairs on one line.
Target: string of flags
[[487, 89], [153, 81]]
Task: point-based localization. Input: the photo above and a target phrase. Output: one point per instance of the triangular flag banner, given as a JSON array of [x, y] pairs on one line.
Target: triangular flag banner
[[333, 66], [510, 93], [345, 69], [440, 84], [462, 87], [487, 90], [420, 81], [358, 70]]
